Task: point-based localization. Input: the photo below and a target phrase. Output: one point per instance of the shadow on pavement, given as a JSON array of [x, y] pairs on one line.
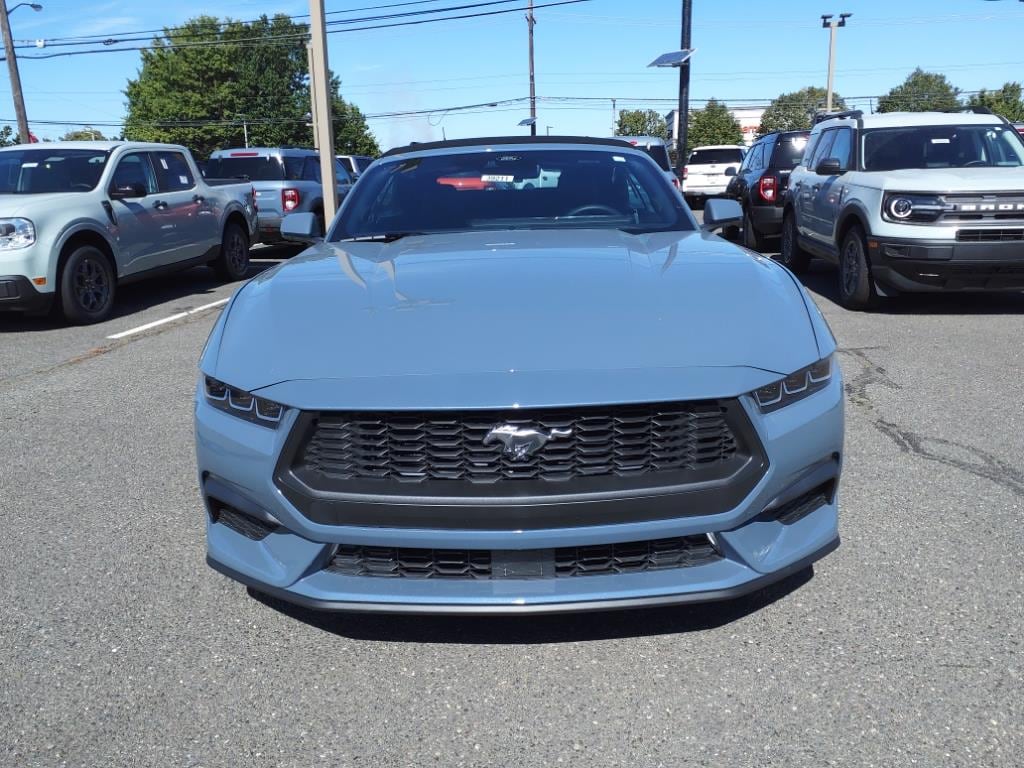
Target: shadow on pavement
[[529, 630], [197, 283]]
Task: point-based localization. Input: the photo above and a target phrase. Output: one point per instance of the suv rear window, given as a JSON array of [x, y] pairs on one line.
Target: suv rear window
[[252, 168], [789, 150], [659, 152], [715, 156]]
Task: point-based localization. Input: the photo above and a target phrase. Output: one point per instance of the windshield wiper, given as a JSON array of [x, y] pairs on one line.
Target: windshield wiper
[[384, 237]]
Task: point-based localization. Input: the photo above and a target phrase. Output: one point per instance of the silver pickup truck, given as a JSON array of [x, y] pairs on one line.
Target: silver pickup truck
[[286, 180], [77, 219]]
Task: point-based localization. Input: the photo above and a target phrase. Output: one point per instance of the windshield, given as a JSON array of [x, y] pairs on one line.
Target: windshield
[[38, 171], [789, 150], [942, 146], [520, 189], [250, 168], [714, 156]]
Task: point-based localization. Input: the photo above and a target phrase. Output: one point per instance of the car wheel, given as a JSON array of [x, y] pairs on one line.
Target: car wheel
[[87, 285], [233, 262], [791, 255], [752, 239], [856, 286]]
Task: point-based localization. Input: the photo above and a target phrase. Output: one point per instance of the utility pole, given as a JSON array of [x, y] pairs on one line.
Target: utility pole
[[615, 118], [530, 22], [12, 69], [829, 22], [684, 88], [320, 90]]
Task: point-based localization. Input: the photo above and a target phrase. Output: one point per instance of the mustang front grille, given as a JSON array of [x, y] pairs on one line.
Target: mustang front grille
[[483, 564], [554, 445]]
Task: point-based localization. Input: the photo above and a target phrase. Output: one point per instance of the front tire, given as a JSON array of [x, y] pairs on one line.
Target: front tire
[[791, 255], [856, 285], [233, 263], [87, 286]]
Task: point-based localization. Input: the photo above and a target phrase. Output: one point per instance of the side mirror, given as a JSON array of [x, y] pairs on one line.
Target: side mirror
[[128, 192], [721, 213], [829, 167], [301, 228], [730, 171]]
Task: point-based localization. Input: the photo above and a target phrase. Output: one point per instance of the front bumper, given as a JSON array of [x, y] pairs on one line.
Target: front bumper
[[947, 265], [289, 559], [17, 294]]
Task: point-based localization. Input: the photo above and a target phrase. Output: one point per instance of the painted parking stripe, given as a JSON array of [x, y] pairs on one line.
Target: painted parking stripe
[[171, 319]]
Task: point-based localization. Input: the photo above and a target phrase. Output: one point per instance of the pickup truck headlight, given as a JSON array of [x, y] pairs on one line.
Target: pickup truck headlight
[[794, 387], [912, 209], [242, 404], [16, 233]]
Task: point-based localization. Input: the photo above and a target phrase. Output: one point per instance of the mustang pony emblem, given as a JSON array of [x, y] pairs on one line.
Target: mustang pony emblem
[[521, 443]]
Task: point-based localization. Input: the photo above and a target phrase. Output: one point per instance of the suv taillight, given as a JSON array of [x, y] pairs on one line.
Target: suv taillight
[[676, 182], [768, 188], [289, 199], [686, 172], [252, 191]]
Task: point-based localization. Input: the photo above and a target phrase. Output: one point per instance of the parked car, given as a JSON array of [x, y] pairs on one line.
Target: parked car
[[78, 219], [355, 164], [446, 407], [910, 202], [286, 181], [708, 170], [658, 150], [760, 184]]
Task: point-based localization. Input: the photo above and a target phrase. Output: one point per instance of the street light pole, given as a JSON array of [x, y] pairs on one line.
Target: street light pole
[[530, 22], [684, 87], [12, 68], [829, 22], [320, 88]]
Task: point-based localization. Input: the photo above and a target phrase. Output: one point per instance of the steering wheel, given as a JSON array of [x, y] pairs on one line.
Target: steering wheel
[[974, 163], [597, 207]]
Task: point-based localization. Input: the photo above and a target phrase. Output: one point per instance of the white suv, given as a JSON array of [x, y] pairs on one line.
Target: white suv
[[709, 170], [909, 202]]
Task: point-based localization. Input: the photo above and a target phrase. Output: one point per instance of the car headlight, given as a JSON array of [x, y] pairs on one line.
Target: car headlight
[[16, 233], [242, 404], [794, 387], [912, 209]]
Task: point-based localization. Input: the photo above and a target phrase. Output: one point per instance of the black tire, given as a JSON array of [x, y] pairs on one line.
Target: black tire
[[87, 286], [791, 255], [752, 239], [856, 285], [233, 262]]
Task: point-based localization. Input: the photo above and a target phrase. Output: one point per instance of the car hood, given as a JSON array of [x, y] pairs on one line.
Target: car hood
[[22, 205], [523, 317], [954, 180]]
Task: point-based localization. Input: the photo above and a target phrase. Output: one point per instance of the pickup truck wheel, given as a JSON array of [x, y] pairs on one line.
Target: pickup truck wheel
[[233, 262], [791, 255], [856, 286], [87, 286], [752, 239]]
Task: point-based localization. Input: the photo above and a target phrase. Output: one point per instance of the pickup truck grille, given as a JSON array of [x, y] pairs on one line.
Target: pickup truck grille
[[618, 441]]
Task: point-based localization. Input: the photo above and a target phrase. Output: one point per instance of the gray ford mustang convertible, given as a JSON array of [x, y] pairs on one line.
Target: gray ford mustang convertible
[[516, 377]]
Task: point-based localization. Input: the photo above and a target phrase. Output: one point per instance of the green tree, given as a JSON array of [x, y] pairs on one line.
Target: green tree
[[83, 134], [7, 137], [1005, 101], [251, 77], [713, 125], [641, 122], [793, 111], [921, 92]]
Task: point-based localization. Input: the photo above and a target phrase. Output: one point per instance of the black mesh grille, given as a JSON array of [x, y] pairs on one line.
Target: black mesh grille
[[241, 523], [990, 235], [617, 441], [607, 559]]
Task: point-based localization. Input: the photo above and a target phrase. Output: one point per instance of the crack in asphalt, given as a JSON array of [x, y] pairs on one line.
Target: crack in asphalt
[[979, 462]]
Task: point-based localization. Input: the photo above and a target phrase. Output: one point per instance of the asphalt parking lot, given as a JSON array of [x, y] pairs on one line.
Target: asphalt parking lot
[[119, 647]]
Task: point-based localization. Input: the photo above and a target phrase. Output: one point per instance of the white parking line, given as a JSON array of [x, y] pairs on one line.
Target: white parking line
[[170, 319]]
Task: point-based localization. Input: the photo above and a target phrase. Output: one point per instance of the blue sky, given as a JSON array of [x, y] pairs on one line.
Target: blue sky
[[747, 50]]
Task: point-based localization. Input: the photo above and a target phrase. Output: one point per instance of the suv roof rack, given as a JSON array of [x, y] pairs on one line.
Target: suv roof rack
[[975, 109], [852, 114]]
